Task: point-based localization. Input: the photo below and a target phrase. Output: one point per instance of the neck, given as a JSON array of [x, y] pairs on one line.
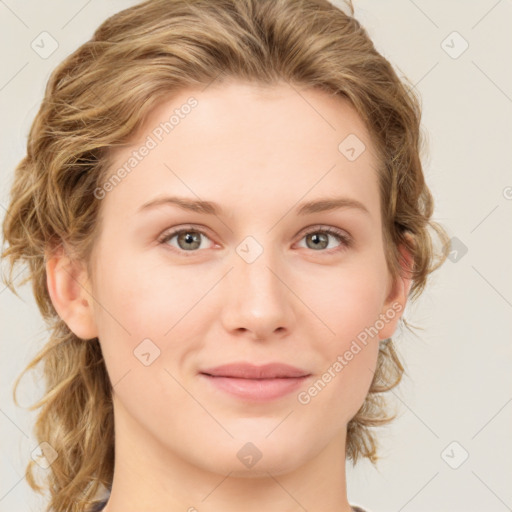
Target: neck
[[147, 477]]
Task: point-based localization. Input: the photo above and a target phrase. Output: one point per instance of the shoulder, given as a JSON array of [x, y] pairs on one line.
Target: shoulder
[[98, 506], [355, 508]]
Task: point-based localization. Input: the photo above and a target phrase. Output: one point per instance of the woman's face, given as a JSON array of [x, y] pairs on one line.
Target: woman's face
[[259, 281]]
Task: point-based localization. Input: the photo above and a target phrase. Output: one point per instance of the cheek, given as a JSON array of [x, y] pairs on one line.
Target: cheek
[[340, 389], [350, 301], [350, 305], [147, 310], [144, 298]]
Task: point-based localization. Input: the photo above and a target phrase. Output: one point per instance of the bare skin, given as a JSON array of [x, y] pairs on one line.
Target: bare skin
[[259, 152]]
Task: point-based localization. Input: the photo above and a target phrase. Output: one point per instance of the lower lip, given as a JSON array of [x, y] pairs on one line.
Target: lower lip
[[256, 389]]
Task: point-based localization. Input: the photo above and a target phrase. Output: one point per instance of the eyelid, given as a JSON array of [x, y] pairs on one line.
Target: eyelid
[[325, 227]]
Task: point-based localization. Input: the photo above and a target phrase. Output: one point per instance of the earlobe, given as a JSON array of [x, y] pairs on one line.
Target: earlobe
[[66, 280]]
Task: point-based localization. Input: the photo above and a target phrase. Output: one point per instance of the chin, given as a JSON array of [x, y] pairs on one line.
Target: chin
[[261, 469], [275, 457]]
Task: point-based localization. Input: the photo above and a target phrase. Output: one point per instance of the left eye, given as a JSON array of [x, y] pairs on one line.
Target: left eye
[[319, 241], [317, 238]]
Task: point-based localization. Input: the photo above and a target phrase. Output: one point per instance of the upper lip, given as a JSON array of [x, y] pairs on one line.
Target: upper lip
[[250, 371]]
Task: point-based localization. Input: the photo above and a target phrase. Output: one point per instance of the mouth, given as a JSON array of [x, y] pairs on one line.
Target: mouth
[[251, 371], [255, 383]]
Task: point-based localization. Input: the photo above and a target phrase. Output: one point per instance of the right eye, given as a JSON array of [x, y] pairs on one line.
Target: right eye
[[188, 239]]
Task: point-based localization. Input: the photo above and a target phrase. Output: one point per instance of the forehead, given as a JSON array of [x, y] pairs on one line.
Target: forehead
[[264, 142]]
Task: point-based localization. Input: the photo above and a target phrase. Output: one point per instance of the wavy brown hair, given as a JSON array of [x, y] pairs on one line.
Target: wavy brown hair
[[99, 96]]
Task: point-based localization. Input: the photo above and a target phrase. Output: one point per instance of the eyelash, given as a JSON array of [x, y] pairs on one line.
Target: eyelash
[[342, 237]]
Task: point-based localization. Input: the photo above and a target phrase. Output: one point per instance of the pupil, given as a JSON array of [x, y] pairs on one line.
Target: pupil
[[317, 239], [189, 238]]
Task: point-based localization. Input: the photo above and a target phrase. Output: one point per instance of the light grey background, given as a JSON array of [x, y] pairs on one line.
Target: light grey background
[[459, 383]]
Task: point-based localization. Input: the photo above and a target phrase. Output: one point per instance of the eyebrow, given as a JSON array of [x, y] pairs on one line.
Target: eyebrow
[[211, 208]]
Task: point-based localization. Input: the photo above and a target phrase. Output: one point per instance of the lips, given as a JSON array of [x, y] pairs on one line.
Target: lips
[[250, 383], [250, 371]]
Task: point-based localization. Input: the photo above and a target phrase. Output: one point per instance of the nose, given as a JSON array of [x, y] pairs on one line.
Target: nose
[[256, 298]]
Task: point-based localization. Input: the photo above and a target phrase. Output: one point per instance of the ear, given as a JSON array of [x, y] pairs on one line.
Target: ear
[[68, 286], [396, 300]]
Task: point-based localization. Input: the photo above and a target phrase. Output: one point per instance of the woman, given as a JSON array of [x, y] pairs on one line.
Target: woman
[[239, 373]]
